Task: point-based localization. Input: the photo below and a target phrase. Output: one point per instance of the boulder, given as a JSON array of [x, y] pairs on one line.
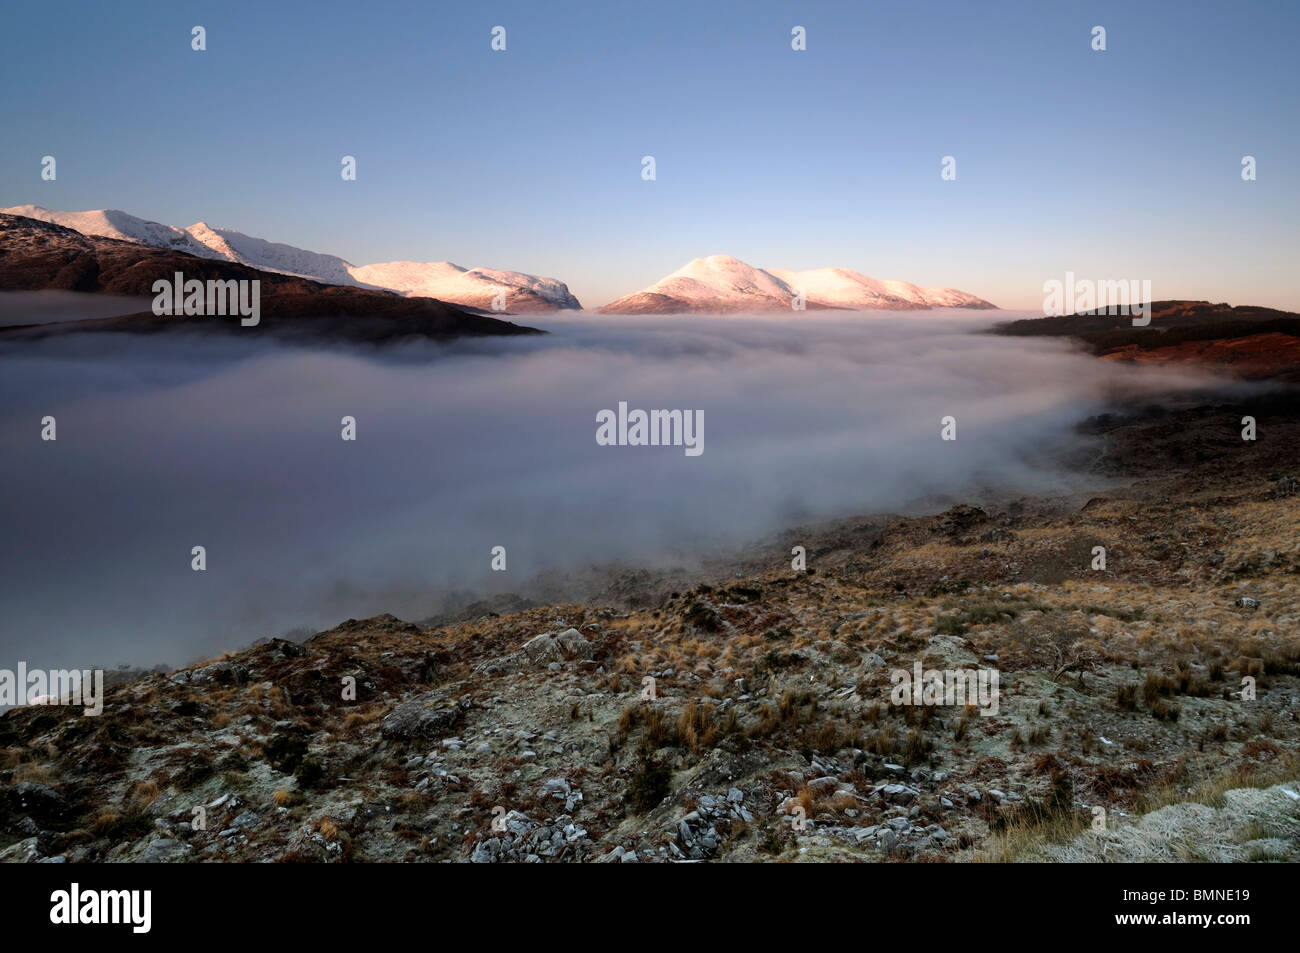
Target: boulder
[[574, 646], [164, 851], [27, 851], [218, 673], [543, 648], [553, 647], [423, 718]]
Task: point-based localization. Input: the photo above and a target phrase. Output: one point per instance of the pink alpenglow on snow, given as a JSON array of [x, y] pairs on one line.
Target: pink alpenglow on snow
[[488, 289], [721, 284]]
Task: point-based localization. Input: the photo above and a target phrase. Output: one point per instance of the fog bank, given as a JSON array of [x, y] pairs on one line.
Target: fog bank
[[234, 444]]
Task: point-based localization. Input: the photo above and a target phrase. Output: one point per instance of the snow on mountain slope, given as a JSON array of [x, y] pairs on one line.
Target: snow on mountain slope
[[720, 284], [200, 239], [717, 284], [841, 288], [723, 276], [272, 256], [952, 298], [110, 223], [477, 287]]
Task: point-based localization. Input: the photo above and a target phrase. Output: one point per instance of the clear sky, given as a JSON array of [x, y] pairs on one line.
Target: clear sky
[[1117, 164]]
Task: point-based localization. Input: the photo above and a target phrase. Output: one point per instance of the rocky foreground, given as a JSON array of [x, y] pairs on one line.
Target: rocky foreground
[[771, 735]]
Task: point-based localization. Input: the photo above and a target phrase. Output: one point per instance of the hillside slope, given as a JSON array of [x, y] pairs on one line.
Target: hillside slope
[[1244, 341], [476, 288], [1120, 689], [38, 255]]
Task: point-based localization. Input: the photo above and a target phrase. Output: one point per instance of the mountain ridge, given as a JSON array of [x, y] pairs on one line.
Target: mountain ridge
[[444, 281], [715, 284], [721, 284], [37, 255]]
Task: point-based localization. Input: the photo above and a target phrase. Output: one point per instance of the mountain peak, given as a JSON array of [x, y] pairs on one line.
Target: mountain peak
[[477, 288], [721, 284]]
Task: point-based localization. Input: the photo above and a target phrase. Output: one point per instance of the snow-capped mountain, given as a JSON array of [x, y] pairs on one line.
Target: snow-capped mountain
[[110, 223], [476, 287], [272, 256], [721, 284], [718, 284], [842, 288]]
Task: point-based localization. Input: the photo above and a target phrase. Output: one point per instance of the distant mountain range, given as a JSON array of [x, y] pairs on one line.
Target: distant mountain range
[[37, 255], [721, 284], [717, 284], [468, 287]]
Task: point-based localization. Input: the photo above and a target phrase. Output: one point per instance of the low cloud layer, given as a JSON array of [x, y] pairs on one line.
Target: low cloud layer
[[45, 307], [164, 444]]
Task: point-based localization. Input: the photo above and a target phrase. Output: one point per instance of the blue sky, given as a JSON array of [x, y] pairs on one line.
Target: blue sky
[[1122, 164]]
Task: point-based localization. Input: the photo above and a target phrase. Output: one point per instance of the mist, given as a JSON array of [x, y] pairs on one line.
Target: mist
[[49, 306], [233, 444]]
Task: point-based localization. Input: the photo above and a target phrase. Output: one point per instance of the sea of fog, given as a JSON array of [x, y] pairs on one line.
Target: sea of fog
[[233, 443]]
